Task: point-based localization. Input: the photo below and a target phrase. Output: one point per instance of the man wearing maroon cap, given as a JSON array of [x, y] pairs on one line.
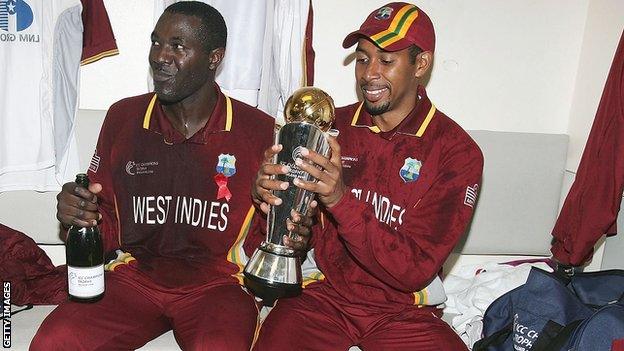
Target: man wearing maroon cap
[[396, 194]]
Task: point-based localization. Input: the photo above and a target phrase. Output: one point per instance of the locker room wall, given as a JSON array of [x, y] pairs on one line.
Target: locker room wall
[[491, 58]]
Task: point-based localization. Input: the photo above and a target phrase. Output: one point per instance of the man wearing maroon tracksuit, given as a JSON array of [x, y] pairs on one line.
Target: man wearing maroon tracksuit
[[171, 178], [397, 193]]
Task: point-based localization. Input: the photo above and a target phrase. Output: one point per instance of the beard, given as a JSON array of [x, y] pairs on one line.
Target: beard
[[376, 110], [177, 89], [165, 93]]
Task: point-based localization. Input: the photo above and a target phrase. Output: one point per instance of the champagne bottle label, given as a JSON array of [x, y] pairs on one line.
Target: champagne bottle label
[[85, 282]]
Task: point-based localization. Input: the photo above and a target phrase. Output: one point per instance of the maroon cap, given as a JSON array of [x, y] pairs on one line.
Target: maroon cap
[[396, 26]]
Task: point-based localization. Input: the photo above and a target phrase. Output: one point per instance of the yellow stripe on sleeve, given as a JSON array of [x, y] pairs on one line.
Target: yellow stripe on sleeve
[[421, 297], [312, 278], [99, 56]]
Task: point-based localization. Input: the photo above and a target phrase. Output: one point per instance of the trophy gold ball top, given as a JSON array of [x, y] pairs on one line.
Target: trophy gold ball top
[[311, 105]]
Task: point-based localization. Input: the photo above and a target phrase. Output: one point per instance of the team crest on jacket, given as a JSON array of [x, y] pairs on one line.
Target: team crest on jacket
[[410, 170], [226, 165]]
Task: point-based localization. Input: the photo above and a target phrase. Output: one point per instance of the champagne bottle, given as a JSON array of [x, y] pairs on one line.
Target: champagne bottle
[[85, 259]]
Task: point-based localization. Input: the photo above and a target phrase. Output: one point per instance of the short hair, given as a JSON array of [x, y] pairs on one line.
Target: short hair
[[413, 51], [212, 31]]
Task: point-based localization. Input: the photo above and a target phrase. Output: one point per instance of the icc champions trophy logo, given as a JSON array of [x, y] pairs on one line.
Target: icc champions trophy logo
[[15, 15]]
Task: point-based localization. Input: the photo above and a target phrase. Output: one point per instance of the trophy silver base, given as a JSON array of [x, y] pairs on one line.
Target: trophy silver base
[[271, 276]]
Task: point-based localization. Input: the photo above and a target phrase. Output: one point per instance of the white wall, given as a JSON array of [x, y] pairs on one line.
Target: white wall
[[605, 22], [507, 66], [499, 65]]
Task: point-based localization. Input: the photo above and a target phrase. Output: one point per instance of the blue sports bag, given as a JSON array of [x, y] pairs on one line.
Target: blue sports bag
[[548, 312]]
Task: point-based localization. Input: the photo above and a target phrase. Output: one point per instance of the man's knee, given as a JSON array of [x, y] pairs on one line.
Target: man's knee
[[55, 334], [217, 342]]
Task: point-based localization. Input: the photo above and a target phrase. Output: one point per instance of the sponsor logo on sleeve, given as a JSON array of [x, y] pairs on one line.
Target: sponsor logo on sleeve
[[470, 198], [95, 163]]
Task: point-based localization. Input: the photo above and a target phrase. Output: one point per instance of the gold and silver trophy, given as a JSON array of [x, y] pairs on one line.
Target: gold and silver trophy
[[274, 269]]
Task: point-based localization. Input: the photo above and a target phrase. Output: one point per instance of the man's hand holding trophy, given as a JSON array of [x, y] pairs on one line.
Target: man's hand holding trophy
[[274, 269]]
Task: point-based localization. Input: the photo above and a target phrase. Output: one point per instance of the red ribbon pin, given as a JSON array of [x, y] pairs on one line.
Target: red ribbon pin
[[222, 182]]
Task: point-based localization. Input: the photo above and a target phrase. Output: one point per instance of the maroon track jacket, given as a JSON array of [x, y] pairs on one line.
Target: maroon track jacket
[[592, 205]]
